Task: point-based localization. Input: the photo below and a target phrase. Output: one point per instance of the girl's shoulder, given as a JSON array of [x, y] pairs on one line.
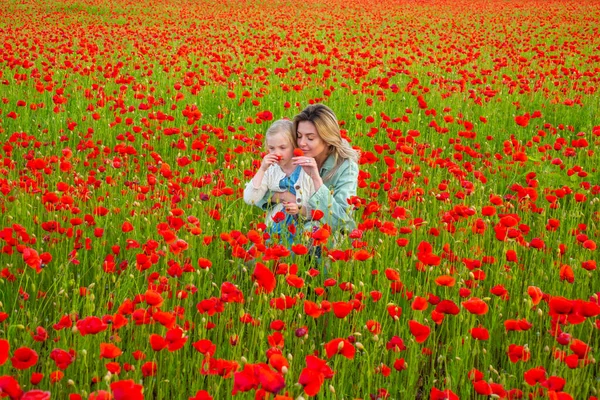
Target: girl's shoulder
[[275, 169]]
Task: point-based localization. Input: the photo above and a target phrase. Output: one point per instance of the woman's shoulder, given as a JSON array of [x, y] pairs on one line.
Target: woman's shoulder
[[347, 167]]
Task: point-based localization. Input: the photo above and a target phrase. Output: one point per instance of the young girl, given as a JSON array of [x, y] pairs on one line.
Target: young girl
[[278, 174]]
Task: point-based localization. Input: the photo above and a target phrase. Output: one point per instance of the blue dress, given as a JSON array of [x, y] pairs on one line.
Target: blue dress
[[280, 228]]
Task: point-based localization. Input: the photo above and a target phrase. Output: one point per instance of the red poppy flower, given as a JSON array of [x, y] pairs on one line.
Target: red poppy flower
[[24, 358], [394, 311], [244, 380], [480, 333], [320, 236], [100, 395], [157, 342], [318, 366], [4, 350], [32, 259], [580, 348], [436, 394], [340, 346], [278, 217], [153, 298], [109, 350], [36, 394], [517, 325], [149, 368], [127, 390], [392, 275], [419, 331], [311, 380], [205, 346], [204, 263], [447, 307], [395, 344], [201, 395], [535, 375], [283, 303], [560, 305], [312, 309], [341, 308], [298, 152], [419, 303], [535, 293], [373, 326], [175, 339], [90, 326], [62, 358], [114, 368], [10, 387], [265, 279], [475, 306], [56, 376], [36, 378], [400, 364], [278, 361], [270, 381], [316, 215], [566, 274], [555, 383], [294, 281], [299, 249], [518, 353]]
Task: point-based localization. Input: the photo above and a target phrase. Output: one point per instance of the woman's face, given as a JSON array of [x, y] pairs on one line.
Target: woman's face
[[309, 140]]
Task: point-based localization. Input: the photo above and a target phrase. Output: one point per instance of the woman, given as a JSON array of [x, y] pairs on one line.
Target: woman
[[330, 162]]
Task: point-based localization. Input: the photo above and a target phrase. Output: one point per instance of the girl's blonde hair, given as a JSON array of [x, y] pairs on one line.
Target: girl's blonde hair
[[284, 127], [328, 129]]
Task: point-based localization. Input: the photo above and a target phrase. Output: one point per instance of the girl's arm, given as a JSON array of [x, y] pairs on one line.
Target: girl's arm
[[254, 195], [256, 191]]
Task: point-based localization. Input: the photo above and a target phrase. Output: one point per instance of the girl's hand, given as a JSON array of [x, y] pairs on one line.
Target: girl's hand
[[283, 197], [292, 208], [269, 160]]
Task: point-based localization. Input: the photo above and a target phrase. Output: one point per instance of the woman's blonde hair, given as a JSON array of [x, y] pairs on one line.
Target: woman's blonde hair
[[284, 127], [328, 129]]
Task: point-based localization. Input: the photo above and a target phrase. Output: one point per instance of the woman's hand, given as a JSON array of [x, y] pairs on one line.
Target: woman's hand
[[309, 165]]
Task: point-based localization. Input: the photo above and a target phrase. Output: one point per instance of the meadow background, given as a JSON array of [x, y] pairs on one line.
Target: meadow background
[[131, 268]]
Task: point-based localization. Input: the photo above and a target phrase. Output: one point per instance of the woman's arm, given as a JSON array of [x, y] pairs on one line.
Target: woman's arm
[[332, 198]]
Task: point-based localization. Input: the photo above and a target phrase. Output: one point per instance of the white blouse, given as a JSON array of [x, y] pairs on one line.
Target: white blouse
[[304, 190]]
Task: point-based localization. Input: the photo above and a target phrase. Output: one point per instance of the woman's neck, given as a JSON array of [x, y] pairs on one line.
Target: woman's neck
[[320, 159]]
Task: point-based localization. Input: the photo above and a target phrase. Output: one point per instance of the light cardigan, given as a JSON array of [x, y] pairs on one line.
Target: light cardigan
[[331, 198], [259, 196]]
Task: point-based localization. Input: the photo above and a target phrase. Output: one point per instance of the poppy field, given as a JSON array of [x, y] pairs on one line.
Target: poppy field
[[131, 268]]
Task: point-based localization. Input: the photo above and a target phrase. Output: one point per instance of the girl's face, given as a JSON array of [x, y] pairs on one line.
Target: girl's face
[[279, 145], [309, 140]]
